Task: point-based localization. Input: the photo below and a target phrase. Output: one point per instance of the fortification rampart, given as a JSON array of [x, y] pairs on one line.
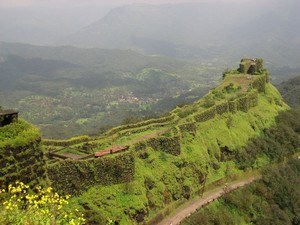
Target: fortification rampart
[[21, 155], [74, 176], [161, 120], [71, 141]]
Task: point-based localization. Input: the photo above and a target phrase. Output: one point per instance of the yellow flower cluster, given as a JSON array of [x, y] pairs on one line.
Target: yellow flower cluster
[[21, 205]]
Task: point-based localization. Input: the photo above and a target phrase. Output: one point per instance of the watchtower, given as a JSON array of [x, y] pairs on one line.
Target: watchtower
[[251, 66]]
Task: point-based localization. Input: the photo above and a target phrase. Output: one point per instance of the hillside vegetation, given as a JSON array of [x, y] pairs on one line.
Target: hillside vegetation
[[18, 134], [272, 200], [169, 159], [290, 91]]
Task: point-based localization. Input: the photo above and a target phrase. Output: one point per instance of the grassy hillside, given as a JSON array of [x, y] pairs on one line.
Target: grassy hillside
[[162, 178], [169, 159]]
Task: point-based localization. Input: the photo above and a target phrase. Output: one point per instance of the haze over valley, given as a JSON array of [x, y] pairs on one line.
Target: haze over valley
[[121, 51]]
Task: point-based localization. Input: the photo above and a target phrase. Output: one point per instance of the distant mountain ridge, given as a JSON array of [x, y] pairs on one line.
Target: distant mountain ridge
[[132, 26], [200, 30]]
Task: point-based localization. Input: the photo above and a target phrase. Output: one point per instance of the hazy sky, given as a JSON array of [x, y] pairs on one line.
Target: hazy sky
[[14, 3], [44, 21]]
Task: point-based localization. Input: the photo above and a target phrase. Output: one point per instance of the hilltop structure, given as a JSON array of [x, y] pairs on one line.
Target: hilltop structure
[[7, 117], [251, 66]]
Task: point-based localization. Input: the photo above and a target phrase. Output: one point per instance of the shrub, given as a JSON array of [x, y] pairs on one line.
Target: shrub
[[20, 205], [208, 102]]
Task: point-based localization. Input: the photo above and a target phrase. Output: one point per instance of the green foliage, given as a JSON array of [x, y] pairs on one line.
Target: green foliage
[[165, 144], [217, 94], [186, 111], [260, 83], [243, 104], [18, 134], [259, 63], [208, 102], [229, 88], [276, 143], [290, 91]]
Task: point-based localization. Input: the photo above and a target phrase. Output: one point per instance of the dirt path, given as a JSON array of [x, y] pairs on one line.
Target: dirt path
[[186, 210]]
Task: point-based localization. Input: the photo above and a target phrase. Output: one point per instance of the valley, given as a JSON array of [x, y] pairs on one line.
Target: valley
[[88, 95]]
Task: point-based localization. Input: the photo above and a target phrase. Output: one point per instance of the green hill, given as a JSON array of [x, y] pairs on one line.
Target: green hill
[[143, 170]]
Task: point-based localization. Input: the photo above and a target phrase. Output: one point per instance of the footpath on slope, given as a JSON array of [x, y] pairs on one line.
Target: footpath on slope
[[192, 206]]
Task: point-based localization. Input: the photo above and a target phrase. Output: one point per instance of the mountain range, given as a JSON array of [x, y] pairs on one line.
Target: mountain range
[[205, 30], [200, 30]]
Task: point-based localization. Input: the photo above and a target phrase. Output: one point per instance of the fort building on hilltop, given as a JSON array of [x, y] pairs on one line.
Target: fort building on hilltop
[[251, 66]]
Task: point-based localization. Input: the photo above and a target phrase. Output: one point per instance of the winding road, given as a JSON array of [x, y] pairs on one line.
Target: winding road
[[190, 207]]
